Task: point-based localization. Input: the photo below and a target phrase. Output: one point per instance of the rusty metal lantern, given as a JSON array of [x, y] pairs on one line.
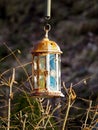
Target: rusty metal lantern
[[46, 64], [46, 68]]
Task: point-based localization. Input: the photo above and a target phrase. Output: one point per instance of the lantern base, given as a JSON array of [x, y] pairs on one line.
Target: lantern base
[[47, 94]]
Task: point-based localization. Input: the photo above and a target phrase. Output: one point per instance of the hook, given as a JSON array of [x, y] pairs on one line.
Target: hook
[[47, 28]]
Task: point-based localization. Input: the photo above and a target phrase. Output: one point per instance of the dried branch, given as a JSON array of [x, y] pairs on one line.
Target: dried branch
[[71, 97], [10, 97]]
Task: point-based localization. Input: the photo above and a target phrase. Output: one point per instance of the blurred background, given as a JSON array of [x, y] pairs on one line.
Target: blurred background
[[74, 26]]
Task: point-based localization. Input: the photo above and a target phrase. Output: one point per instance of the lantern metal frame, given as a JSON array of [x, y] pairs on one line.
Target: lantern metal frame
[[46, 70]]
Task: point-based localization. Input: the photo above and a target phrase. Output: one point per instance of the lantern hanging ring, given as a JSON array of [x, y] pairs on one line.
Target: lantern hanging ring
[[47, 28]]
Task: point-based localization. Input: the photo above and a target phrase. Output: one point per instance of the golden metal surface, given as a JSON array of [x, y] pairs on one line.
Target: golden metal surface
[[46, 93], [46, 46], [40, 69]]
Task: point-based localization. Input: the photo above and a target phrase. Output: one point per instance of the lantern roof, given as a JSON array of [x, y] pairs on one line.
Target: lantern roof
[[46, 46]]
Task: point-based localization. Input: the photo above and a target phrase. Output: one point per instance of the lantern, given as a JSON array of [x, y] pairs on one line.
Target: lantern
[[46, 69], [46, 64]]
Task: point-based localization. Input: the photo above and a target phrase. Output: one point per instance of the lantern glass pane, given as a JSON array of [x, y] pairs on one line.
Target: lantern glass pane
[[35, 82], [48, 70], [42, 67], [35, 66], [35, 62], [42, 62], [59, 72], [52, 80], [42, 82]]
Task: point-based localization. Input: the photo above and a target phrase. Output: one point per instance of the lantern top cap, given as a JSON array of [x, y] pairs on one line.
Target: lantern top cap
[[46, 46]]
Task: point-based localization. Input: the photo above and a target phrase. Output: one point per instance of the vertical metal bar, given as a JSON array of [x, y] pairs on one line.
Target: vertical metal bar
[[48, 9], [48, 69], [59, 71], [33, 72], [57, 74], [38, 74]]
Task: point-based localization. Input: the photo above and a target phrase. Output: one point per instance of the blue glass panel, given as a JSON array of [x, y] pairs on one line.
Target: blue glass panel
[[53, 83], [52, 62], [59, 72]]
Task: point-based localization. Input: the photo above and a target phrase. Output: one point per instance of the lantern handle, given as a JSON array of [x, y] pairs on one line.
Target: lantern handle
[[47, 28]]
